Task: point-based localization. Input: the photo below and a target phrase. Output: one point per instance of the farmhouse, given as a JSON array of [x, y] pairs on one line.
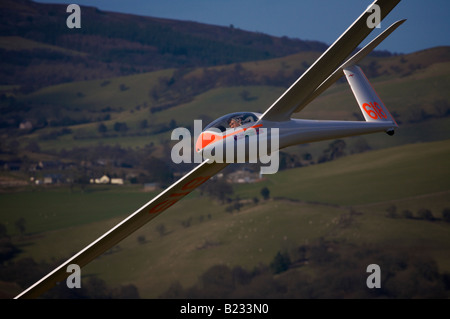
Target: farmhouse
[[105, 179]]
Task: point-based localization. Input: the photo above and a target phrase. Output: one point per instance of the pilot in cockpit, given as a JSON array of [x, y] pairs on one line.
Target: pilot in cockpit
[[235, 122]]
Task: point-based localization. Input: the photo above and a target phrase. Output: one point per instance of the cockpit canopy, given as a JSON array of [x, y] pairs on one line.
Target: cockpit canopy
[[232, 120]]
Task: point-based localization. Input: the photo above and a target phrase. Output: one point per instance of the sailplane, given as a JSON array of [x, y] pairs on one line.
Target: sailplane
[[337, 61]]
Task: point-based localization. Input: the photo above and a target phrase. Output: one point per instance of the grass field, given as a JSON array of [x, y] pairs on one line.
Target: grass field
[[48, 210], [15, 43], [407, 97], [316, 199], [370, 177], [344, 201]]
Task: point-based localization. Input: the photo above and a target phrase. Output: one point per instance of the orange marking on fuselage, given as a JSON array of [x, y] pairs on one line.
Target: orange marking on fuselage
[[214, 137]]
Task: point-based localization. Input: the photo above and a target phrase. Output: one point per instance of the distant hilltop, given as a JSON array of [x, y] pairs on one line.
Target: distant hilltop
[[34, 39]]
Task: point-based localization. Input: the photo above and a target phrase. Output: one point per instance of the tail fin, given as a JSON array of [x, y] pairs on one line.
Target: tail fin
[[372, 108]]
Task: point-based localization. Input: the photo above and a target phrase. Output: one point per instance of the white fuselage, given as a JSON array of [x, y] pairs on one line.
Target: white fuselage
[[298, 131], [274, 136]]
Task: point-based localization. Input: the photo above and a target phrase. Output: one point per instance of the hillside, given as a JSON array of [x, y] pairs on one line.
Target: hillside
[[332, 220], [117, 81], [103, 100], [125, 122], [36, 43]]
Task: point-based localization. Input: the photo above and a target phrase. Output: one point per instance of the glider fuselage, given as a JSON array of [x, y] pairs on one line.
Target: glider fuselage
[[287, 133], [299, 131]]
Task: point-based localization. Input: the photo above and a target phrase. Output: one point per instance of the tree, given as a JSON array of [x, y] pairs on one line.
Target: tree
[[335, 150], [102, 128], [175, 291], [289, 161], [229, 209], [141, 239], [172, 124], [265, 193], [442, 107], [425, 214], [158, 170], [446, 215], [161, 229], [143, 124], [217, 281], [407, 214], [7, 249], [123, 87], [237, 205], [307, 157], [187, 222], [120, 127], [20, 225], [280, 263], [218, 188]]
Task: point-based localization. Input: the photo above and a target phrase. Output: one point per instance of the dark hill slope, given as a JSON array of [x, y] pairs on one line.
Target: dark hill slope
[[110, 44]]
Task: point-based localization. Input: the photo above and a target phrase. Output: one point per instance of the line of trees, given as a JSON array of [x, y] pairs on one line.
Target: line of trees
[[323, 269], [421, 214]]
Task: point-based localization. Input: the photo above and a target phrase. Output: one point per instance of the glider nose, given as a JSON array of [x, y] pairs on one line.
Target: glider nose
[[204, 140]]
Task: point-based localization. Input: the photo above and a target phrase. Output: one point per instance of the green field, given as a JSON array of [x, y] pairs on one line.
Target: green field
[[387, 174], [340, 205], [410, 97], [106, 100], [316, 199]]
